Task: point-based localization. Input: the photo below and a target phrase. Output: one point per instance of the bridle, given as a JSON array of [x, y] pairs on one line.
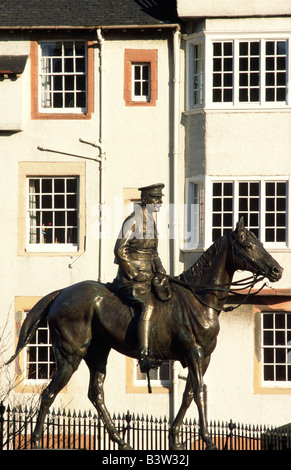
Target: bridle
[[242, 284], [236, 250]]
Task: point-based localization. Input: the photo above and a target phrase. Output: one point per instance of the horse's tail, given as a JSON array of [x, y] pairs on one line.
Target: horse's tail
[[32, 320]]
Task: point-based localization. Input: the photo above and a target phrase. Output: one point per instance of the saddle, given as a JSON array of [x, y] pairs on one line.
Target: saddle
[[161, 288]]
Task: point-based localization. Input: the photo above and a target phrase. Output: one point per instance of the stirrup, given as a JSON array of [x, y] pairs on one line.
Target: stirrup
[[148, 362], [144, 363]]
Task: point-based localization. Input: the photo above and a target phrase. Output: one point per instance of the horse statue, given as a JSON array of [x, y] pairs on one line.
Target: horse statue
[[87, 319]]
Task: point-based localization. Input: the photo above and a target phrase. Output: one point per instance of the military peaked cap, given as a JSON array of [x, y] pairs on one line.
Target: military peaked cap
[[154, 190]]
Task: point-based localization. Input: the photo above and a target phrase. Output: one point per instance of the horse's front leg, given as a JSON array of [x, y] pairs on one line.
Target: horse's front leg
[[187, 400], [175, 428], [195, 365]]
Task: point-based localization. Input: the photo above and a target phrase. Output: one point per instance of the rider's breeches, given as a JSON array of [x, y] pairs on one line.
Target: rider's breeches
[[140, 293]]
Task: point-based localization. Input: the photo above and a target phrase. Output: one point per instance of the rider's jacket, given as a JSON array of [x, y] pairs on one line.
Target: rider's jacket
[[136, 253], [136, 249]]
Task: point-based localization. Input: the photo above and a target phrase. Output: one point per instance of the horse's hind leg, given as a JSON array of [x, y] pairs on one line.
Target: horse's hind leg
[[60, 379], [96, 395]]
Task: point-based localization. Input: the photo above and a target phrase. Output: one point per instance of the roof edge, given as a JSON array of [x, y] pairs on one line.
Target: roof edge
[[92, 27]]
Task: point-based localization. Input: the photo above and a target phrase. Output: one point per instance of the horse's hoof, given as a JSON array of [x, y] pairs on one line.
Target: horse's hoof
[[211, 447], [36, 445], [177, 446], [125, 446]]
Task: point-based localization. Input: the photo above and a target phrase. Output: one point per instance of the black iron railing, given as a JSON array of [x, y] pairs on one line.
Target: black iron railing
[[71, 430]]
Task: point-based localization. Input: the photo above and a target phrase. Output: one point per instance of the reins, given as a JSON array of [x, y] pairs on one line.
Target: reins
[[246, 283], [197, 291]]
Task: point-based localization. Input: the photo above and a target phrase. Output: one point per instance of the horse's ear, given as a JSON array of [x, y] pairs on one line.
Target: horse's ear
[[240, 225]]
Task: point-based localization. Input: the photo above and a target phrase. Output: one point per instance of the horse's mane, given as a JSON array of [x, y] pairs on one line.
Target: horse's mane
[[203, 261]]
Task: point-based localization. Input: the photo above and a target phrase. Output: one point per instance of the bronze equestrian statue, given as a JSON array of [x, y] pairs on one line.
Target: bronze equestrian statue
[[88, 319], [140, 267]]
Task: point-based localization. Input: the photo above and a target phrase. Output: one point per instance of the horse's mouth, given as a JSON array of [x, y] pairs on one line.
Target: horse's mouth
[[275, 273]]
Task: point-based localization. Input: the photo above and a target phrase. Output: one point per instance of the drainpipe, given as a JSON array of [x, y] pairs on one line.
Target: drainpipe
[[100, 39], [102, 156], [175, 155]]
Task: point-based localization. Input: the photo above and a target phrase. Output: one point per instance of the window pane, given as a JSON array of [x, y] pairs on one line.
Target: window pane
[[280, 355], [60, 235], [268, 373], [276, 71], [280, 373], [57, 100], [58, 82], [57, 65], [81, 100], [81, 65], [216, 80], [269, 356]]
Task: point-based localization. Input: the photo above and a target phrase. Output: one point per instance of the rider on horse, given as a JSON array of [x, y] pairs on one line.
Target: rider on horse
[[140, 268]]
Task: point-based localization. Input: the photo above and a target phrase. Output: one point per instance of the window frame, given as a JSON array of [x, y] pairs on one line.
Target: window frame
[[141, 96], [262, 212], [55, 246], [50, 169], [63, 74], [140, 56], [207, 40], [268, 303], [200, 43], [60, 113], [275, 347], [206, 184]]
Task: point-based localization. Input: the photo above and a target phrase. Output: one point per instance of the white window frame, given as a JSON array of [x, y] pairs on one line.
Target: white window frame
[[141, 81], [275, 383], [199, 43], [51, 247], [207, 46], [208, 207], [75, 74]]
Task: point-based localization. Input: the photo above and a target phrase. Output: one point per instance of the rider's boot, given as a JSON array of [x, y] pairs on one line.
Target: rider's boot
[[143, 340]]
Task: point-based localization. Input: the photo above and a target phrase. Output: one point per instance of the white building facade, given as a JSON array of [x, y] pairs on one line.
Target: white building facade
[[91, 112]]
